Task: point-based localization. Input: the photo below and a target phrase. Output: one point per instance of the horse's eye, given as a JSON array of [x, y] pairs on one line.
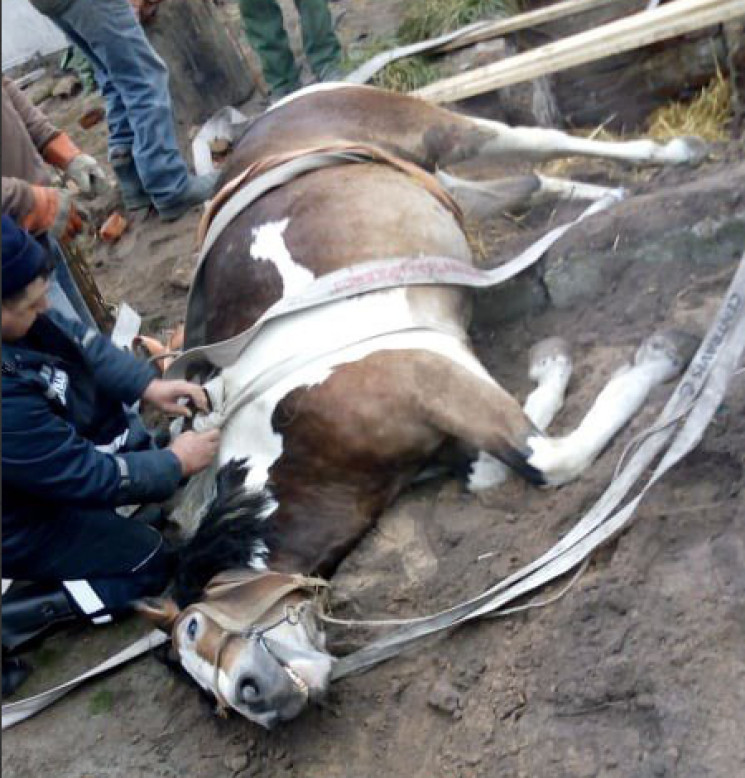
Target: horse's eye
[[191, 628]]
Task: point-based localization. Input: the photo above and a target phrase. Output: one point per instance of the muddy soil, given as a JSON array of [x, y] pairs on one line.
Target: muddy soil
[[638, 670]]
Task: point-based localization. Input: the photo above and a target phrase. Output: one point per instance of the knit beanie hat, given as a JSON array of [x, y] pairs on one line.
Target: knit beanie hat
[[24, 258]]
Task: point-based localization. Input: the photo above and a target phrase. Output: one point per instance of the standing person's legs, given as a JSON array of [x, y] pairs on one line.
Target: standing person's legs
[[121, 136], [319, 39], [139, 77], [264, 26]]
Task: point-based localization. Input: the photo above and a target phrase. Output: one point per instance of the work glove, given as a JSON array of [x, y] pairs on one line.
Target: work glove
[[81, 168], [87, 174], [53, 212]]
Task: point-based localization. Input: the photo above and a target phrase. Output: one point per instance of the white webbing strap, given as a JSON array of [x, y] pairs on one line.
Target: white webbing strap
[[369, 277], [682, 424], [15, 712]]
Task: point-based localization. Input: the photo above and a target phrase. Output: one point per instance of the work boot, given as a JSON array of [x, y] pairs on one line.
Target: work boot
[[31, 610], [15, 672], [135, 198], [198, 190]]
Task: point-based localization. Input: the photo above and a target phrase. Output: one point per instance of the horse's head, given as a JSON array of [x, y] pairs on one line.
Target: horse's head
[[252, 641]]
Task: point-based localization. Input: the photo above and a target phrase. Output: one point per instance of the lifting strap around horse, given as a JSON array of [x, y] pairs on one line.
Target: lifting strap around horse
[[274, 171], [347, 282]]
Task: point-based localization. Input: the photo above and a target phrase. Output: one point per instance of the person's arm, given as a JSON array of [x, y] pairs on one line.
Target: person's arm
[[118, 373], [55, 146], [44, 455], [128, 379], [39, 128]]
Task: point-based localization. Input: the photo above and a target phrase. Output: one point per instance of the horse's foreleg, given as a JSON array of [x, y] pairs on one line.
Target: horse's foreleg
[[551, 369], [481, 414], [660, 358]]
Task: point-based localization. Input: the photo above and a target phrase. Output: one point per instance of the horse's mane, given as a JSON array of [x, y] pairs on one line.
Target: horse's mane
[[228, 535]]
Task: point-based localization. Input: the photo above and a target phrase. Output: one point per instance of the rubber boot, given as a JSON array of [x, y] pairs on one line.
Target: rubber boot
[[31, 610], [135, 198], [198, 190], [15, 672]]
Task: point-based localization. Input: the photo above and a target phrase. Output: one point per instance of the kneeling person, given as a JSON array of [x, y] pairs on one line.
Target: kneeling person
[[71, 455]]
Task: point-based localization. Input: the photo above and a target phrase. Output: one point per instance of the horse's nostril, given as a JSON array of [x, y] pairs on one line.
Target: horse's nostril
[[248, 689]]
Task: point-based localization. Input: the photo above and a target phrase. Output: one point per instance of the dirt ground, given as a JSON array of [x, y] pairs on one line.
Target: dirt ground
[[638, 671]]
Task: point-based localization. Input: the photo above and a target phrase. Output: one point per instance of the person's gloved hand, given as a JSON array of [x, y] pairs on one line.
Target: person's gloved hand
[[87, 174], [81, 168], [54, 212], [165, 396]]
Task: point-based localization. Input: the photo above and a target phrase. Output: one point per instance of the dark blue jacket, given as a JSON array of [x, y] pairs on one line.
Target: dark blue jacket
[[62, 394]]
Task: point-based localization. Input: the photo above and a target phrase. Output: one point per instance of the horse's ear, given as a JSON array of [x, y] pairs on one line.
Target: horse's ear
[[161, 611]]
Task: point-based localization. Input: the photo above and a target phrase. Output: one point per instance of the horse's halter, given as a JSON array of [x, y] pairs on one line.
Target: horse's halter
[[244, 622]]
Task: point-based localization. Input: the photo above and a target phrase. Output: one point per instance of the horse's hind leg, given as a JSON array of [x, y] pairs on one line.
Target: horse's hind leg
[[472, 138], [486, 199]]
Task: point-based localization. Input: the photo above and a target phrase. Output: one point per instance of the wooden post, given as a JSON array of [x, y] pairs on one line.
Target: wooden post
[[87, 286], [207, 69], [641, 29]]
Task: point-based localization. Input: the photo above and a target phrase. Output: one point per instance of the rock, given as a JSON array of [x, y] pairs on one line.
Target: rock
[[41, 91], [444, 696], [219, 146], [92, 117], [236, 762], [182, 273], [67, 86], [113, 228]]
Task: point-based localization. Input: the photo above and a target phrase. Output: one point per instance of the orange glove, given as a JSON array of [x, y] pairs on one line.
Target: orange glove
[[53, 212], [60, 151]]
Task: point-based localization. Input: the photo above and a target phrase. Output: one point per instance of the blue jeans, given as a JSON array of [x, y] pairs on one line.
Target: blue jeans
[[134, 82]]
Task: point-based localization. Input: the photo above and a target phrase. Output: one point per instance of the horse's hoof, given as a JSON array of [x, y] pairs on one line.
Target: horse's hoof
[[673, 347], [689, 150], [549, 356]]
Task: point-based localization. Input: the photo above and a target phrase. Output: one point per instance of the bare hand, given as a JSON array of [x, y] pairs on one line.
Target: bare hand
[[195, 450], [165, 395]]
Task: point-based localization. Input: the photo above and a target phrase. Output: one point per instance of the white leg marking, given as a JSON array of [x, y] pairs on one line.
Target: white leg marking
[[544, 143], [563, 459], [551, 369], [575, 190], [269, 244]]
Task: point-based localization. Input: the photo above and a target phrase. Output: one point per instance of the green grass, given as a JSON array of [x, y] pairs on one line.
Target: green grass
[[100, 702], [407, 74], [430, 18], [425, 19]]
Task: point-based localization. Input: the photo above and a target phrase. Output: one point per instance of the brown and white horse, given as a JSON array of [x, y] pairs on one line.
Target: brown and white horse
[[385, 382]]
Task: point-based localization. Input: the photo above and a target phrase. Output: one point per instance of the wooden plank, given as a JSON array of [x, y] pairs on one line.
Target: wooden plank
[[467, 36], [641, 29], [522, 21]]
